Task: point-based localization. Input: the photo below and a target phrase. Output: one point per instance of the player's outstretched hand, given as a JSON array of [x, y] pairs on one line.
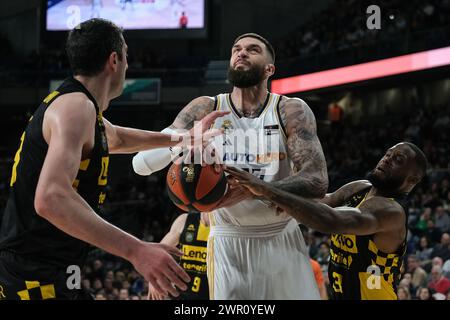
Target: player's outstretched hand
[[201, 131], [241, 178], [155, 263]]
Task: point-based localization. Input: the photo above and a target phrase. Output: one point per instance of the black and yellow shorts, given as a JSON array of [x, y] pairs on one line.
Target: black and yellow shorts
[[21, 279]]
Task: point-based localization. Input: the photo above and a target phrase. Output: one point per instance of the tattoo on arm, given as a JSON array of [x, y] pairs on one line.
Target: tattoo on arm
[[196, 110], [305, 151]]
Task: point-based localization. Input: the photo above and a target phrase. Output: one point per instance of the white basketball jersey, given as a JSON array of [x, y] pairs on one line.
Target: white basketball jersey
[[257, 145]]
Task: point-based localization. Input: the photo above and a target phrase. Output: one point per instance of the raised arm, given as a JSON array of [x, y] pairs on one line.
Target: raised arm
[[56, 200], [173, 236], [305, 151], [149, 161], [130, 140], [375, 215]]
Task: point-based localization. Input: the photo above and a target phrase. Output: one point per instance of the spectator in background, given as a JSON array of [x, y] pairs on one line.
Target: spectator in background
[[97, 269], [433, 233], [319, 279], [124, 294], [438, 282], [323, 255], [97, 285], [423, 293], [100, 296], [403, 293], [86, 284], [441, 219], [443, 249], [446, 268], [437, 261], [444, 191], [423, 253], [406, 282], [421, 225], [419, 276]]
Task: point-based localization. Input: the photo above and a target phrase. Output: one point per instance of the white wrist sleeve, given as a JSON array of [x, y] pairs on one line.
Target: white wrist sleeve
[[147, 162]]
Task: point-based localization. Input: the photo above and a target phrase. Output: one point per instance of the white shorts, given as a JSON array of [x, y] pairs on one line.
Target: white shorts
[[267, 262]]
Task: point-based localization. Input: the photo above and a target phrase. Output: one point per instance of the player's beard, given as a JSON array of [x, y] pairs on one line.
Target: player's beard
[[388, 186], [246, 78]]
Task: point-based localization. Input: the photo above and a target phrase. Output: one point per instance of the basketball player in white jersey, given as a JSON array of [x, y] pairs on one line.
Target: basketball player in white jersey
[[256, 256]]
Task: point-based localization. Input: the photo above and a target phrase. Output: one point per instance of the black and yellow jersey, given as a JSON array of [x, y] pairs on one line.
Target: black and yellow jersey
[[358, 270], [193, 243], [23, 231]]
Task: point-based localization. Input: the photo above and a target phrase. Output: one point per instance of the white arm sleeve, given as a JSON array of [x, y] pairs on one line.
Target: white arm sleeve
[[147, 162]]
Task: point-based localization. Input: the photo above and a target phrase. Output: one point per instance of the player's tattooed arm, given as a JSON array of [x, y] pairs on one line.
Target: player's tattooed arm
[[196, 110], [305, 151]]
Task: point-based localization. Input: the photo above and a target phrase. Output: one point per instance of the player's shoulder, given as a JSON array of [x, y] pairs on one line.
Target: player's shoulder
[[203, 101], [293, 101], [384, 206], [348, 190], [295, 107], [73, 102], [357, 185]]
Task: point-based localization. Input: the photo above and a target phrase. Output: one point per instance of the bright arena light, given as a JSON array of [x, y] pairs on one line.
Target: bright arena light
[[364, 71]]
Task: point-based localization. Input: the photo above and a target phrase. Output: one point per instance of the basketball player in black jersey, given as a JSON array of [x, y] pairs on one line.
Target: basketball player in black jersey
[[367, 220], [190, 233], [59, 177]]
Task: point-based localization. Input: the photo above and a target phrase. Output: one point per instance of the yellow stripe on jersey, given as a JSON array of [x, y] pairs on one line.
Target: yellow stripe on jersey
[[51, 96], [16, 161], [203, 232], [84, 164]]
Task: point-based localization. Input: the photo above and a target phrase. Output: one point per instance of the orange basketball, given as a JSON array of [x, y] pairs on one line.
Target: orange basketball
[[195, 188]]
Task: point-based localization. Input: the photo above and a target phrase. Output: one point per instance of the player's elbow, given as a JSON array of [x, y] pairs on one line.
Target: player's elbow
[[140, 166], [319, 187], [47, 202]]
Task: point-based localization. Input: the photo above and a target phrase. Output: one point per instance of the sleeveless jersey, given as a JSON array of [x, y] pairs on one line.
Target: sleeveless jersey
[[193, 242], [257, 145], [358, 270], [23, 231]]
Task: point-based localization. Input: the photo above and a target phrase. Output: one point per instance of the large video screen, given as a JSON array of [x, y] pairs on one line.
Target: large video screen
[[129, 14]]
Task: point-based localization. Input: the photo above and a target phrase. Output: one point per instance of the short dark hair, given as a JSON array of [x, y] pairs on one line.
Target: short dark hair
[[260, 38], [90, 44], [420, 158]]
